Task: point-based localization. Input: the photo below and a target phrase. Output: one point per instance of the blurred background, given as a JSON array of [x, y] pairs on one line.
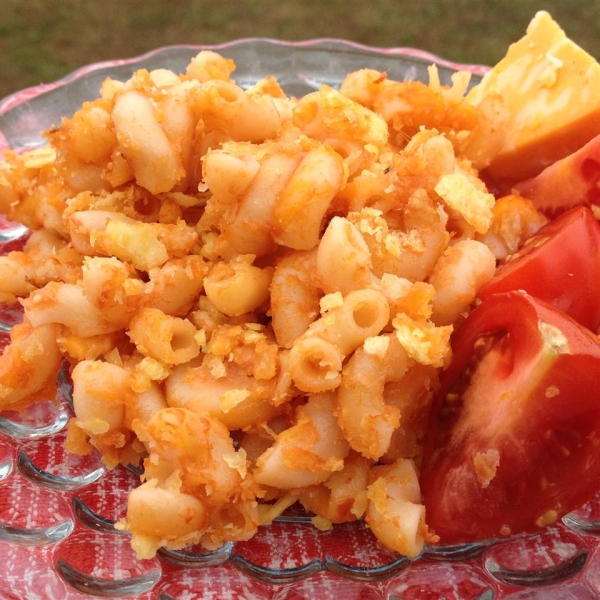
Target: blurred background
[[42, 40]]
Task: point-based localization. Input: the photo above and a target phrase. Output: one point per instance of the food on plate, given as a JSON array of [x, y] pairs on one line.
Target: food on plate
[[567, 182], [260, 298], [549, 86], [559, 264], [513, 443]]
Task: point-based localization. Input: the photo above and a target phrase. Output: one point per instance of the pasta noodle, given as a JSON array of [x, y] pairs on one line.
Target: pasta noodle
[[254, 293]]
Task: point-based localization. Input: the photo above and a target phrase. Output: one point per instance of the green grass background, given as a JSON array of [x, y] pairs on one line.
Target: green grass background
[[42, 40]]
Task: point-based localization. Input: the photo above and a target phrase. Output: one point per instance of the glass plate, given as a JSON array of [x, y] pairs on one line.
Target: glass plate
[[57, 510]]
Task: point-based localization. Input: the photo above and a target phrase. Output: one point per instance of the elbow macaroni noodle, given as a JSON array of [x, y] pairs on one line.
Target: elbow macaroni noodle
[[254, 293]]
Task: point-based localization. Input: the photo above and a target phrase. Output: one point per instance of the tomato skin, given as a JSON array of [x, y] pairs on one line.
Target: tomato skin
[[529, 406], [568, 182], [560, 264]]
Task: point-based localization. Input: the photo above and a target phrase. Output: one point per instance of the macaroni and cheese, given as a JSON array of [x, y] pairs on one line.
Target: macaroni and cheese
[[254, 293]]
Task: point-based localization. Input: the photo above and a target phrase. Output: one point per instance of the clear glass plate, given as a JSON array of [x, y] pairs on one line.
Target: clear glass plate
[[57, 510]]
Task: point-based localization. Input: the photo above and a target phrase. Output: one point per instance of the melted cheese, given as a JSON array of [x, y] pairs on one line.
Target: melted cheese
[[551, 87]]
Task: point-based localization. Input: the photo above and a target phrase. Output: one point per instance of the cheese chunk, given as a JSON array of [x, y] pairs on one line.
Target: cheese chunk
[[551, 88]]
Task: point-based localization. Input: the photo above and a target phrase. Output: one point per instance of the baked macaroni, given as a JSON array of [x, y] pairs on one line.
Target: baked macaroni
[[254, 293]]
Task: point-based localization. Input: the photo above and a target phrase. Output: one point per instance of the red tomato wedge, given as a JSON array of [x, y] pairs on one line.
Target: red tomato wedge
[[568, 182], [560, 264], [514, 436]]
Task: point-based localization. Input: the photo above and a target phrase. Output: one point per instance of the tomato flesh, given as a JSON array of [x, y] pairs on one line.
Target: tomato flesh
[[513, 441], [560, 264], [568, 182]]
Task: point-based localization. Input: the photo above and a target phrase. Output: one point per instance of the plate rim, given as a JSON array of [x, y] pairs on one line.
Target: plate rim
[[23, 95]]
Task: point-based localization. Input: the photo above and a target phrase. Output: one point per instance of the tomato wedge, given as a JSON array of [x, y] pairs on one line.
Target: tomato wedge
[[513, 441], [568, 182], [560, 264]]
